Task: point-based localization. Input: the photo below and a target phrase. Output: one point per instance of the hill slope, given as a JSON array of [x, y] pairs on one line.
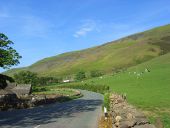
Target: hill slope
[[149, 91], [125, 52]]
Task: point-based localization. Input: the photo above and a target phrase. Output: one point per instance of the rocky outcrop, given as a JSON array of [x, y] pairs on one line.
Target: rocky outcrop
[[125, 115]]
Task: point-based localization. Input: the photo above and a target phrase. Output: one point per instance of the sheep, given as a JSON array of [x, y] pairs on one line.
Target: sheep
[[147, 70]]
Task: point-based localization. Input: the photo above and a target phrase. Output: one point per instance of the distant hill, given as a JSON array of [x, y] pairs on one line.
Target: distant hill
[[122, 53]]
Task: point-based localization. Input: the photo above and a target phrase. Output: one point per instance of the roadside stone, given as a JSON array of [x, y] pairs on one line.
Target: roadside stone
[[141, 121], [125, 115], [145, 126], [127, 124], [124, 125], [130, 116]]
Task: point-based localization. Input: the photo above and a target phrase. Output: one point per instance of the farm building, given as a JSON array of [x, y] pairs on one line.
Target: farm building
[[22, 89]]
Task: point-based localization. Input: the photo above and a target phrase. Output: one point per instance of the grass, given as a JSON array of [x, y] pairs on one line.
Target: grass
[[64, 92], [90, 87], [54, 89], [106, 102], [68, 94], [150, 92]]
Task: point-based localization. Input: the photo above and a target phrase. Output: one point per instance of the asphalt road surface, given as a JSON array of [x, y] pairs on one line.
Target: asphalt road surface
[[80, 113]]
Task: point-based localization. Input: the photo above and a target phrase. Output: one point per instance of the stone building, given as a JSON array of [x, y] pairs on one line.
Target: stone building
[[22, 89]]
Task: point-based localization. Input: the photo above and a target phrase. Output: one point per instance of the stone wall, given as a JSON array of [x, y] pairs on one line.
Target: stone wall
[[125, 115], [8, 101], [12, 101]]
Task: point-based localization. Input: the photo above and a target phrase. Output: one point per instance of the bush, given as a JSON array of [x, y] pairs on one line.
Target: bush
[[96, 73], [90, 87], [26, 77], [47, 80], [38, 89], [80, 75]]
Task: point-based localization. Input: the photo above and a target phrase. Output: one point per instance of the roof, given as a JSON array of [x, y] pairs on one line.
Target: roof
[[5, 92], [22, 89], [10, 86]]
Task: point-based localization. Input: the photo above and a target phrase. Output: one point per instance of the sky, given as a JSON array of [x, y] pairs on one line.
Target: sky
[[44, 28]]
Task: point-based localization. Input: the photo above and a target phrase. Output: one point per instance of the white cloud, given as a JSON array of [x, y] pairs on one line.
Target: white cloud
[[88, 26]]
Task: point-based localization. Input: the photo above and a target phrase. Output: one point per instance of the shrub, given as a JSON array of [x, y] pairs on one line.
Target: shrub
[[90, 87], [26, 77], [96, 73], [38, 89], [80, 75], [47, 80]]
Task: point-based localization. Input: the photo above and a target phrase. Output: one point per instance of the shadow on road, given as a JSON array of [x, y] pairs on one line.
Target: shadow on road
[[48, 113]]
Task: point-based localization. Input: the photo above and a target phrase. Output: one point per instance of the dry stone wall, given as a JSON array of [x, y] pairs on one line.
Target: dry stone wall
[[125, 115], [12, 101]]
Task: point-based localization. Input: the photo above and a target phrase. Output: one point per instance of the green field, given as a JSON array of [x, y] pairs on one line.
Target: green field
[[150, 91]]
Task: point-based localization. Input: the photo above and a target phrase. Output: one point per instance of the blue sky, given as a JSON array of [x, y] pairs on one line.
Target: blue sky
[[43, 28]]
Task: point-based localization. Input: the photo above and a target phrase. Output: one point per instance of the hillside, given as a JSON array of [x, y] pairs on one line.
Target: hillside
[[148, 86], [125, 52], [148, 91]]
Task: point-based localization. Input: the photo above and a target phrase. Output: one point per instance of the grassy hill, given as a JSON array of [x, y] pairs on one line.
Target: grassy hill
[[149, 91], [142, 89], [122, 53]]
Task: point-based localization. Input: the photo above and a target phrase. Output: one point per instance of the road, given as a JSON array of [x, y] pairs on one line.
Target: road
[[80, 113]]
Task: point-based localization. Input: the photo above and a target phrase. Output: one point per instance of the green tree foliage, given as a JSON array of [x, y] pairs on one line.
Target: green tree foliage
[[4, 79], [96, 73], [47, 80], [26, 77], [80, 75], [8, 55]]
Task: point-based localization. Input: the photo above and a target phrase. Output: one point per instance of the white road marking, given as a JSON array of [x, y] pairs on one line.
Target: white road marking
[[37, 126]]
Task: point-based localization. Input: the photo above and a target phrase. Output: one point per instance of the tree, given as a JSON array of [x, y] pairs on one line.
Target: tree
[[4, 81], [26, 77], [8, 55], [80, 75], [47, 80]]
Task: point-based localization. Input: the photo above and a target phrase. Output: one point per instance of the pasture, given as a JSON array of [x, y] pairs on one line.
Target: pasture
[[149, 91]]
